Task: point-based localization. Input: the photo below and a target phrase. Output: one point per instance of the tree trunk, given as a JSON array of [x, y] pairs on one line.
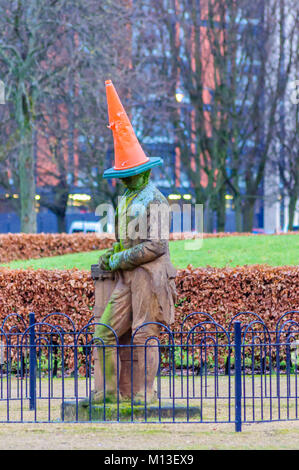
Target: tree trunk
[[27, 184], [238, 213], [59, 205], [208, 217], [61, 222], [221, 210], [291, 211], [248, 215]]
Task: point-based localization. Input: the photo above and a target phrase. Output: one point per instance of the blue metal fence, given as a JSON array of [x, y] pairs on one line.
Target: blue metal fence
[[206, 373]]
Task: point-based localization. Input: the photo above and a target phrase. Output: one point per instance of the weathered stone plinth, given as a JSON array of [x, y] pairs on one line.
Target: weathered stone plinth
[[111, 412]]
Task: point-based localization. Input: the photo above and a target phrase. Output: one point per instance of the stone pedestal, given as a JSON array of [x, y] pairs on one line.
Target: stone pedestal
[[166, 411]]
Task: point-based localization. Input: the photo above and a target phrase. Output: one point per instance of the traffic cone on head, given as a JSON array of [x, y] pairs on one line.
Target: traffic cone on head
[[129, 156]]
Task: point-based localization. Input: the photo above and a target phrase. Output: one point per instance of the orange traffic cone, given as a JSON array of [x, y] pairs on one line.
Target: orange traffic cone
[[129, 156]]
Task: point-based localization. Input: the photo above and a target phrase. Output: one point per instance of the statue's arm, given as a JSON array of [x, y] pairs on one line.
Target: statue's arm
[[154, 245], [139, 254]]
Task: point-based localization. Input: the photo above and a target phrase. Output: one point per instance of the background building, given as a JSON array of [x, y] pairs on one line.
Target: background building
[[199, 80]]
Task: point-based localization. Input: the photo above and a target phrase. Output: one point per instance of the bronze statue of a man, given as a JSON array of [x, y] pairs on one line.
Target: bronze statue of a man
[[144, 289]]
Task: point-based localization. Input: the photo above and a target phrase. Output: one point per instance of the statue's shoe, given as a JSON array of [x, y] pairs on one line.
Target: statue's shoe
[[141, 399]]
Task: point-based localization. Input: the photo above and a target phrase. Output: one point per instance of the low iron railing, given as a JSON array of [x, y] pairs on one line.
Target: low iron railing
[[206, 373]]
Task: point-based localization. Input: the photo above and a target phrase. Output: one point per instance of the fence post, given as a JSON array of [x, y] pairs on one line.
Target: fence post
[[32, 363], [238, 377]]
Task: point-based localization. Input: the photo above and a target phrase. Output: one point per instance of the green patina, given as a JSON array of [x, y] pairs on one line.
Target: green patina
[[135, 185], [138, 201], [105, 259], [137, 182], [100, 333], [100, 330], [124, 411]]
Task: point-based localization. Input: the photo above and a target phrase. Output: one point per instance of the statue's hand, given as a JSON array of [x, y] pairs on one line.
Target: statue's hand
[[104, 260], [114, 261]]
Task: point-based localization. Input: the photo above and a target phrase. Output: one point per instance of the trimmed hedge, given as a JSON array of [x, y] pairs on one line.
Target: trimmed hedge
[[265, 290], [30, 246], [221, 292]]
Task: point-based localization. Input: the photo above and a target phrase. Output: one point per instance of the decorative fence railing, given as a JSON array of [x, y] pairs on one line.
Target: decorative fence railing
[[206, 373]]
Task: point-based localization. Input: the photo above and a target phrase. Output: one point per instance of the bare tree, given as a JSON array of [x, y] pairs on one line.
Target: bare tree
[[29, 33], [207, 76], [222, 58], [287, 159]]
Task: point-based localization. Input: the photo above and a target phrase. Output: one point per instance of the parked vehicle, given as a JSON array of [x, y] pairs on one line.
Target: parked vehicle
[[88, 227]]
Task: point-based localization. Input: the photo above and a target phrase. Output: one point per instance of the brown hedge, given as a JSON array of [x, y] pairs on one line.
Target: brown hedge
[[29, 246], [224, 292], [265, 290], [221, 292]]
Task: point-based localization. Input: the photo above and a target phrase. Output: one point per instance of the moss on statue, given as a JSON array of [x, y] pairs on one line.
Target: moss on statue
[[124, 411], [134, 184], [100, 330], [105, 356]]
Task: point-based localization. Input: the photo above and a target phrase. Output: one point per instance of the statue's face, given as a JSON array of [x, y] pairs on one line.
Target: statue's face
[[135, 182], [131, 182]]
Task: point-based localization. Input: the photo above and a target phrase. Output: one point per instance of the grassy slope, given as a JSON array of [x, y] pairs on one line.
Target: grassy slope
[[274, 250]]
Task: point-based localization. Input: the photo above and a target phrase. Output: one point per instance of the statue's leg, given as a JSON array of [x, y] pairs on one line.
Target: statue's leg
[[148, 362], [145, 309], [115, 322]]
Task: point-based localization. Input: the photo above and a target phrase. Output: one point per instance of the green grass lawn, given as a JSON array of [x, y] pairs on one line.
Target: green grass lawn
[[274, 250]]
